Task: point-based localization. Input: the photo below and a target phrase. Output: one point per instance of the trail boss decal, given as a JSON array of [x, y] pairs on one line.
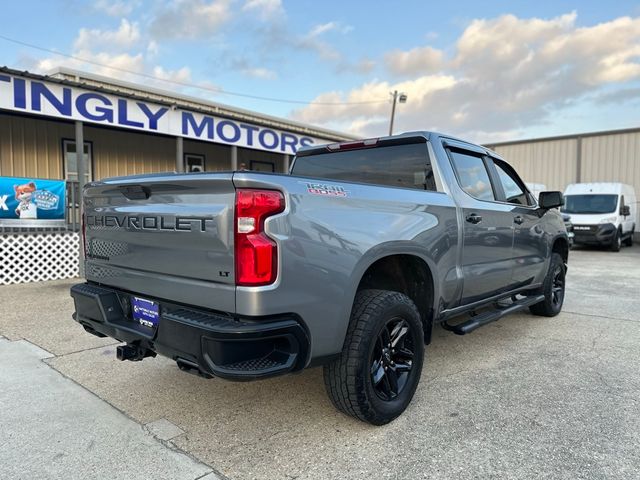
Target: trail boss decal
[[326, 189]]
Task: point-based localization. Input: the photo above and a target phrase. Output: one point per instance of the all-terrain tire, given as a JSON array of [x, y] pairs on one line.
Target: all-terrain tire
[[353, 379], [552, 288]]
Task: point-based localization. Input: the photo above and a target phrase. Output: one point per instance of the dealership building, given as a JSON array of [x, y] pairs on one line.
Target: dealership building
[[124, 129]]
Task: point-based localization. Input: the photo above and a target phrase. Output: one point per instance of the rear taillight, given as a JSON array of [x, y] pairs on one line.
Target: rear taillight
[[256, 253]]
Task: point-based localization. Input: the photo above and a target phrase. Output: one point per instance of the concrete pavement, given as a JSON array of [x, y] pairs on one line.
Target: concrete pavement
[[525, 397], [52, 428]]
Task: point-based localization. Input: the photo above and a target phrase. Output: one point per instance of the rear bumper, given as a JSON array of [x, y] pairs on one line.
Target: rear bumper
[[595, 235], [202, 342]]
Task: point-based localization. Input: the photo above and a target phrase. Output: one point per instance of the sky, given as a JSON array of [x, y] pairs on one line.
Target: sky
[[485, 71]]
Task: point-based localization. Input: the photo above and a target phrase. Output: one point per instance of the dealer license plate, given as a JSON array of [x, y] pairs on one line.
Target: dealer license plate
[[145, 312]]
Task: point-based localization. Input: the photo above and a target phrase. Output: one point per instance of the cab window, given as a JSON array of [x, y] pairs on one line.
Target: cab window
[[514, 189], [472, 174], [406, 166]]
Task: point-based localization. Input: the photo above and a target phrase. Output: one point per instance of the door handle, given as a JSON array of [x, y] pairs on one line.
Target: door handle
[[518, 219], [473, 218]]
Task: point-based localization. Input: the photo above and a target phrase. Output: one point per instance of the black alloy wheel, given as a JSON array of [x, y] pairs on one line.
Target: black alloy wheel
[[557, 288], [392, 359], [553, 289]]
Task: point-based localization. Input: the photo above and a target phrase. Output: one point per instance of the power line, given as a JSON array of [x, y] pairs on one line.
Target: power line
[[184, 84]]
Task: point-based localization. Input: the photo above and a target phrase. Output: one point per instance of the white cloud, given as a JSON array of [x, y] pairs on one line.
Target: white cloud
[[244, 66], [117, 8], [360, 117], [319, 29], [153, 48], [104, 52], [117, 62], [312, 41], [261, 73], [503, 75], [182, 75], [191, 19], [126, 36], [362, 66], [322, 28], [266, 9], [416, 60]]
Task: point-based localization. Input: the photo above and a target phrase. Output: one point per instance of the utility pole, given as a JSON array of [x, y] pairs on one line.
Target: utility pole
[[397, 98], [393, 110]]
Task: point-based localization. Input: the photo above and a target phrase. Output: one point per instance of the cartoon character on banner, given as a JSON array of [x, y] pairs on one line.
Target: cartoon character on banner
[[26, 205]]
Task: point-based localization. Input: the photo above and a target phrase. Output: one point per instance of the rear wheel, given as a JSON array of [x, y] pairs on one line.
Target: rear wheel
[[378, 371], [553, 289], [616, 243]]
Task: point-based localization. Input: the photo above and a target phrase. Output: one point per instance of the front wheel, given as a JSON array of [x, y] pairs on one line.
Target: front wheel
[[616, 243], [378, 371], [629, 240], [552, 288]]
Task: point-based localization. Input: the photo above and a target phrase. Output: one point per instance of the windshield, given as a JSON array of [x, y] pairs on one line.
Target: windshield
[[594, 203]]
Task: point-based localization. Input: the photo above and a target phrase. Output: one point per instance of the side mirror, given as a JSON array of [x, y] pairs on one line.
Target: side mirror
[[549, 200], [625, 210]]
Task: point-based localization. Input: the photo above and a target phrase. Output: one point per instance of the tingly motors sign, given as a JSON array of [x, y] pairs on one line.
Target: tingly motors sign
[[50, 99]]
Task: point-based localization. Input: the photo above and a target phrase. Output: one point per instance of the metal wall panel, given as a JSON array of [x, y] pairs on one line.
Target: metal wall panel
[[118, 152], [32, 148], [613, 158], [552, 163]]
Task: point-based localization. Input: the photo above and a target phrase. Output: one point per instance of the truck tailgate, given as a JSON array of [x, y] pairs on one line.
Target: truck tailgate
[[166, 236]]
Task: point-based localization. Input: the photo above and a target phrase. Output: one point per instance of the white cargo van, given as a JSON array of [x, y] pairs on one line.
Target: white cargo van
[[601, 213]]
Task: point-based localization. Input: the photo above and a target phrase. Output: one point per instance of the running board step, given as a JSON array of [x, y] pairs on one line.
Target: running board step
[[492, 315]]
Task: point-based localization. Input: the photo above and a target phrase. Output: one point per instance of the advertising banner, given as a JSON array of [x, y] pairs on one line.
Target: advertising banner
[[31, 199]]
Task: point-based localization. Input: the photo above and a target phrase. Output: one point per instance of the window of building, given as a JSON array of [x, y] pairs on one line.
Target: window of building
[[194, 162], [472, 174], [71, 160]]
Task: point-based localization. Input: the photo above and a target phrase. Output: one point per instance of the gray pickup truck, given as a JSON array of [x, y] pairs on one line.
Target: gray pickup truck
[[347, 262]]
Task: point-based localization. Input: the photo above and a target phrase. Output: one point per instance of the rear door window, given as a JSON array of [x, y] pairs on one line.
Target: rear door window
[[472, 174], [405, 165]]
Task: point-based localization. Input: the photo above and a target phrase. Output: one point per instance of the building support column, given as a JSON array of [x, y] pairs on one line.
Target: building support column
[[179, 155], [234, 158], [578, 159], [287, 163], [81, 169]]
